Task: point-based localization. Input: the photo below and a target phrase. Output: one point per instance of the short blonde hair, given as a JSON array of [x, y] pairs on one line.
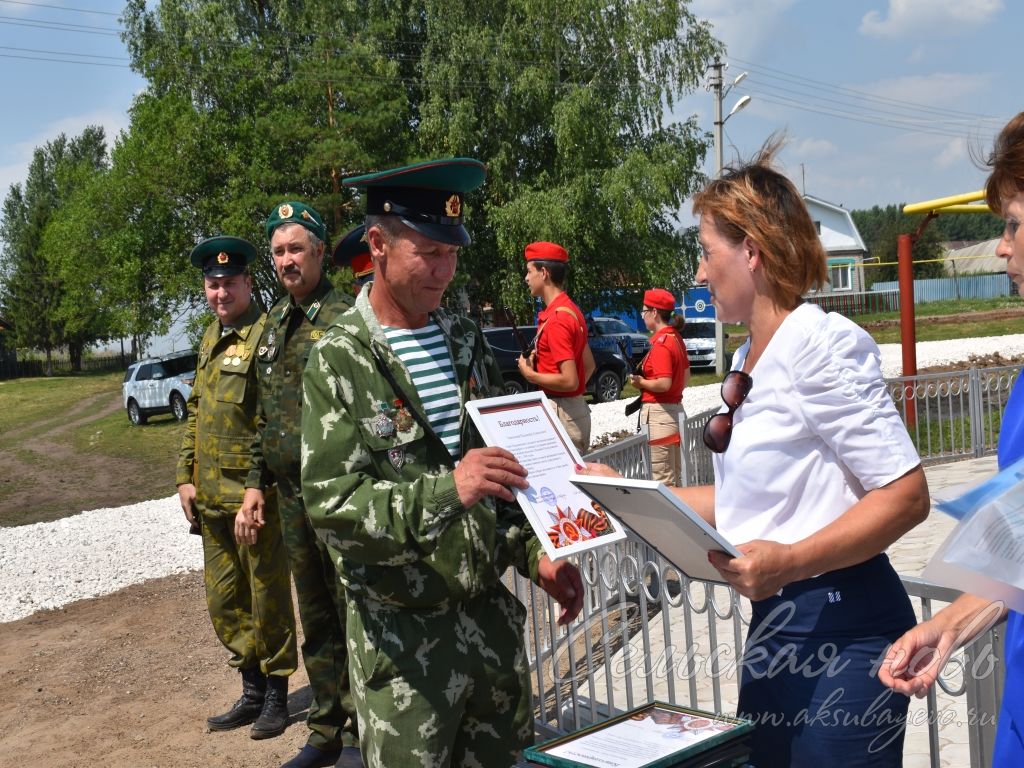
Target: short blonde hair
[[1007, 163], [754, 200]]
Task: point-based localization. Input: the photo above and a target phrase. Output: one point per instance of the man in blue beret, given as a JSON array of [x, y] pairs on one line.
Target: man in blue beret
[[294, 324], [248, 591], [418, 513]]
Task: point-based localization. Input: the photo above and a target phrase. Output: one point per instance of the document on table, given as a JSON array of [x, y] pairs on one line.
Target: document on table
[[984, 554], [565, 519]]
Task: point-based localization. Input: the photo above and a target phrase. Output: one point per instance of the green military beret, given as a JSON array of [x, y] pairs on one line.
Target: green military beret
[[427, 197], [296, 213], [223, 256]]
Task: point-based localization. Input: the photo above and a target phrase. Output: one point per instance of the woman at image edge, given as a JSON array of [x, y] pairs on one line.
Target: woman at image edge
[[929, 645], [817, 477]]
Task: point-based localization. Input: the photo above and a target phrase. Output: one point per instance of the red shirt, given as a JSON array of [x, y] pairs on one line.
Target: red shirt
[[561, 336], [667, 359]]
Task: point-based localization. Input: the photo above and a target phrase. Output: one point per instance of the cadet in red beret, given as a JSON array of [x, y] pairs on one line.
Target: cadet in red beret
[[562, 361], [664, 372]]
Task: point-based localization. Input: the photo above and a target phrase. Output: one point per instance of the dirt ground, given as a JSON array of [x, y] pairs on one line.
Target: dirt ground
[[122, 680], [127, 679]]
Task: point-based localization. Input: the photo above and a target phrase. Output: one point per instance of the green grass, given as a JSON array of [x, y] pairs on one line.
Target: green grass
[[156, 442], [43, 401]]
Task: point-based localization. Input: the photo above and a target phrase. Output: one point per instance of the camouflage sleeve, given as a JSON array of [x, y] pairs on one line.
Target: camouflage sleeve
[[187, 454], [371, 520], [260, 475]]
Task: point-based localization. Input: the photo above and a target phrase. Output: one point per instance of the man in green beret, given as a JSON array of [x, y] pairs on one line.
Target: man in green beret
[[416, 511], [297, 236], [248, 591]]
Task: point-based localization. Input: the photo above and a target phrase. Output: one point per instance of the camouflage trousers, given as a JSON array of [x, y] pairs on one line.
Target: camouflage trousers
[[249, 595], [448, 687], [322, 612], [574, 413]]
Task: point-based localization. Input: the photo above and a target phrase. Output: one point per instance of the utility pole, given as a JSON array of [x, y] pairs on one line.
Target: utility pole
[[716, 86]]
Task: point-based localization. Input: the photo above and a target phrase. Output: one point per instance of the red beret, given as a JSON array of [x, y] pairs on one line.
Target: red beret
[[659, 298], [542, 251]]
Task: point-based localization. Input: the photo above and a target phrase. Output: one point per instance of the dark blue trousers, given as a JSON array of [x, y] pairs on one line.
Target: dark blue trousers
[[808, 677]]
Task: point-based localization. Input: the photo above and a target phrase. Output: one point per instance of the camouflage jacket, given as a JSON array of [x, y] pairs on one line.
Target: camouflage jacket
[[222, 416], [378, 484], [289, 335]]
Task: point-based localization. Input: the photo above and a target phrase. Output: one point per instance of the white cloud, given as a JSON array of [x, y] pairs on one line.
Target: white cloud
[[20, 153], [926, 18], [812, 148], [745, 26], [952, 154]]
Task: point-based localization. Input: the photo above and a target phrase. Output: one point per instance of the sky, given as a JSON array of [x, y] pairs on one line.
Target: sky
[[880, 101]]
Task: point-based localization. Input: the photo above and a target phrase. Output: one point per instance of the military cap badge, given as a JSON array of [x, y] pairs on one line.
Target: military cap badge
[[285, 211], [223, 258], [453, 207]]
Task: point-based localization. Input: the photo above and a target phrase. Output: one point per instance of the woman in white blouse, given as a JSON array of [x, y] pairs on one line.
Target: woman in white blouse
[[815, 476]]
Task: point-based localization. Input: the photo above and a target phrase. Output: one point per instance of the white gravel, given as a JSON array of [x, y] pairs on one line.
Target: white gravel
[[47, 565]]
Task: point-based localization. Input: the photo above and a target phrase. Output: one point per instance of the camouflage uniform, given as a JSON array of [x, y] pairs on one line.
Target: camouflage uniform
[[437, 660], [289, 335], [247, 588]]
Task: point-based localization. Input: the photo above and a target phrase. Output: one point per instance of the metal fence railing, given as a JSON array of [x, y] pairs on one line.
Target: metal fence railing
[[956, 414]]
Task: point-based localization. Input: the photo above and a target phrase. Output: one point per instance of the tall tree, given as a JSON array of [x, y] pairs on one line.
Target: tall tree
[[880, 228], [565, 104], [34, 289]]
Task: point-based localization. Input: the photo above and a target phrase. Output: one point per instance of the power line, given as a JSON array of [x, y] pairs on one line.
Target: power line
[[59, 7], [816, 86], [60, 26]]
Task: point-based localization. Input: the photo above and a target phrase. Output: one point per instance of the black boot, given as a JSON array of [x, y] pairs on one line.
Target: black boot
[[274, 715], [247, 708]]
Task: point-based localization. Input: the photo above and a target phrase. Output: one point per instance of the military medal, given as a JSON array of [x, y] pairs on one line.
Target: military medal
[[383, 426], [403, 419], [261, 351], [230, 351], [397, 457], [236, 361], [227, 360]]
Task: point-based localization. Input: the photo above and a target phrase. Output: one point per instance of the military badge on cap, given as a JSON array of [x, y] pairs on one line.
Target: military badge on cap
[[427, 197], [223, 256], [296, 213]]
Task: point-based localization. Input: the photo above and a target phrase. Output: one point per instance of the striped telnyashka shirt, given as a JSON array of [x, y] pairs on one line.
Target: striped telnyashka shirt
[[425, 355]]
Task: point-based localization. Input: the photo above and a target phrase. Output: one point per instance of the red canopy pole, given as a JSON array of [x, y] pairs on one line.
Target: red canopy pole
[[908, 333]]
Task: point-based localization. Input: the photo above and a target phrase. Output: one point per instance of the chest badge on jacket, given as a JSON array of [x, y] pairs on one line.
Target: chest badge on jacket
[[397, 458]]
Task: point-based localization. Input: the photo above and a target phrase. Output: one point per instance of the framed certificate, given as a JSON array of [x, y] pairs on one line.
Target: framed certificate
[[662, 520], [565, 519], [651, 736]]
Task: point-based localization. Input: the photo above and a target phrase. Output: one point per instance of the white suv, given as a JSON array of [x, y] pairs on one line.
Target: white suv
[[159, 385]]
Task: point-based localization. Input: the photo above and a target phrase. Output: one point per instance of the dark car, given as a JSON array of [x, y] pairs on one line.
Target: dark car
[[604, 386], [610, 332]]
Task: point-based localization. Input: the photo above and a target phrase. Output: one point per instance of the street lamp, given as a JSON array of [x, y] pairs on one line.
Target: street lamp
[[720, 94]]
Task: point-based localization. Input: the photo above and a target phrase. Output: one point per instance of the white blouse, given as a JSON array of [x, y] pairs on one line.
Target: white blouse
[[816, 433]]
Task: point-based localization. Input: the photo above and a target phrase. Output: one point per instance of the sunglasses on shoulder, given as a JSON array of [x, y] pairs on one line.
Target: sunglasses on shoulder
[[718, 429]]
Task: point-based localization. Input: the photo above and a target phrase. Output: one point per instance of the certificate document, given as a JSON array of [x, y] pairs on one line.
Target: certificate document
[[565, 519], [651, 736], [984, 554]]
